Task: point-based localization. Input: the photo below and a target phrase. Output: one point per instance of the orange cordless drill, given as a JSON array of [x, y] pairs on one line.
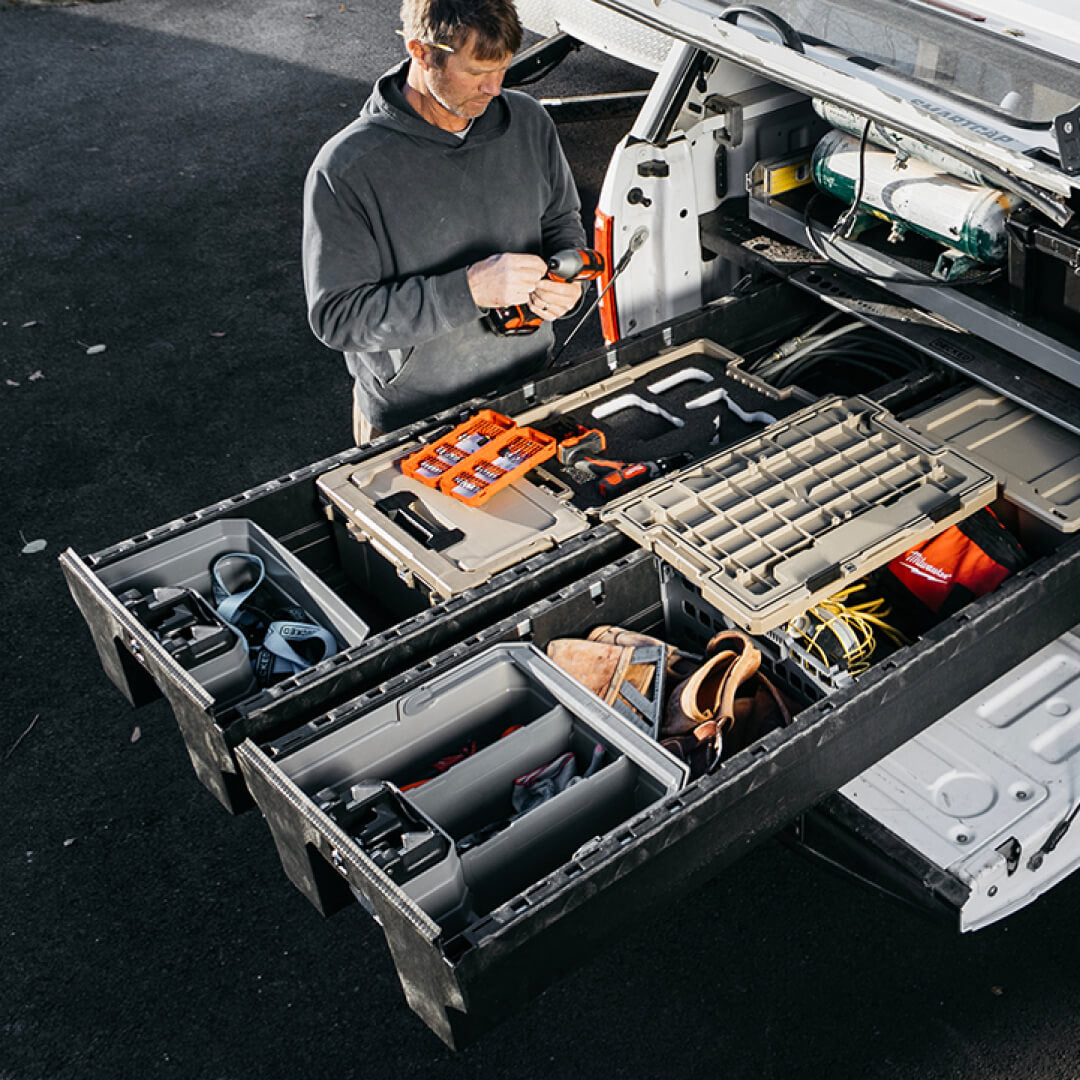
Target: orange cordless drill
[[573, 264]]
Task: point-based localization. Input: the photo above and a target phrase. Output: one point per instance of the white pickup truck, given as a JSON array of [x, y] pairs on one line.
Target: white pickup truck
[[956, 129]]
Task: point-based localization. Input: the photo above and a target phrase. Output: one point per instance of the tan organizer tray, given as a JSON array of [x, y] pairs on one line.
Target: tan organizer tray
[[781, 520], [1036, 462], [447, 544]]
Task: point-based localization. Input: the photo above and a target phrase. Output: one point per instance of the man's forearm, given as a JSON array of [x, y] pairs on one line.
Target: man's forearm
[[374, 317]]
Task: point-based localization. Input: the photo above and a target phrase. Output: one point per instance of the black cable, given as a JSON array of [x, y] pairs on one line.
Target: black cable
[[862, 349], [905, 358], [800, 371], [864, 356], [846, 222], [853, 266], [863, 338], [788, 34]]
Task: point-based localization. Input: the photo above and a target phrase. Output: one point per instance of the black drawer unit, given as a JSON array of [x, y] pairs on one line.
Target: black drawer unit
[[287, 513], [776, 499], [462, 978]]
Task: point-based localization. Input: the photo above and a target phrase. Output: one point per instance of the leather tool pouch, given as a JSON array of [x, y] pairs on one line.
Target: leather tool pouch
[[727, 704]]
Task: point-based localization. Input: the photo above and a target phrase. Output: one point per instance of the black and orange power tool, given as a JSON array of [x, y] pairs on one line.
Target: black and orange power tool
[[573, 264], [581, 450]]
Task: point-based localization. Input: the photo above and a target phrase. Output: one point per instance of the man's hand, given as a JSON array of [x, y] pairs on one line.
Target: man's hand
[[551, 300], [506, 279]]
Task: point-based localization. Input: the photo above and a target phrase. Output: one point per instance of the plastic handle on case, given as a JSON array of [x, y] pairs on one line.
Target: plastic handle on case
[[404, 510]]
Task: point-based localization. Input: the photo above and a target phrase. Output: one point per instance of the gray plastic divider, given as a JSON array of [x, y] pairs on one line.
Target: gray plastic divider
[[477, 790], [539, 841], [185, 562], [400, 740]]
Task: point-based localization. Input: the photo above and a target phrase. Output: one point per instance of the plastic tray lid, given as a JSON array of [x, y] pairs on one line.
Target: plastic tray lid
[[1036, 462], [772, 525], [445, 543]]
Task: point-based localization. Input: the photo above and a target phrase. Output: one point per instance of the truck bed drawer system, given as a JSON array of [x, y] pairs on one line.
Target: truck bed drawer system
[[833, 466], [779, 500]]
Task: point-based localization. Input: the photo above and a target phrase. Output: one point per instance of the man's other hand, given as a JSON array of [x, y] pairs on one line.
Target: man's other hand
[[551, 300], [506, 279]]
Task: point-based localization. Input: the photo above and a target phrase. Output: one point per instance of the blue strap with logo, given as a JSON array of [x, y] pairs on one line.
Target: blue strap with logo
[[274, 656]]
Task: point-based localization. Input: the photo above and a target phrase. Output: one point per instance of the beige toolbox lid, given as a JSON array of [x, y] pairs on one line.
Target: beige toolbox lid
[[781, 520], [445, 543], [1036, 462], [452, 546]]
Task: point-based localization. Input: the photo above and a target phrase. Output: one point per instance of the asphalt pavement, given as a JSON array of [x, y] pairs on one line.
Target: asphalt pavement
[[155, 359]]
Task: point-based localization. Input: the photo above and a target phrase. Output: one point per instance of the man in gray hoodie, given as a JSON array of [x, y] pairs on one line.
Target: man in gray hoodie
[[443, 199]]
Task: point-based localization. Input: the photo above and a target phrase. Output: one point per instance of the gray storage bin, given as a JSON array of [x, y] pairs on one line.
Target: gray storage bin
[[184, 561], [355, 775]]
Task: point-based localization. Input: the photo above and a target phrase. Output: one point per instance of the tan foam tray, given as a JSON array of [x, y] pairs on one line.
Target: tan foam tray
[[781, 520], [1036, 462]]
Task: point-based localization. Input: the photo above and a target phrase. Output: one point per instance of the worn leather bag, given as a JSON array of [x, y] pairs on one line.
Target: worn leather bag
[[725, 705], [628, 676]]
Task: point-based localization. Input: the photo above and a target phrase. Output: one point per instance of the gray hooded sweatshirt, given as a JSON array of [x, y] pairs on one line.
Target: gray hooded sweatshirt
[[395, 210]]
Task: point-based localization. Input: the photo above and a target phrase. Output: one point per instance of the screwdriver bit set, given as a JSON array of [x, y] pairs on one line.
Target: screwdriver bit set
[[479, 457]]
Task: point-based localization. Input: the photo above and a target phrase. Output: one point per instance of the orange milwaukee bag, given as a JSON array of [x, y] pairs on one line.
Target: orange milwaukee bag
[[965, 561]]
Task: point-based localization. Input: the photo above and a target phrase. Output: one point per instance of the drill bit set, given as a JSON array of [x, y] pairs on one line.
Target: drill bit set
[[479, 457]]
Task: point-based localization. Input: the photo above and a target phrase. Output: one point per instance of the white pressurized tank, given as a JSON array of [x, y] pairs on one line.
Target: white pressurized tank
[[911, 193], [905, 145]]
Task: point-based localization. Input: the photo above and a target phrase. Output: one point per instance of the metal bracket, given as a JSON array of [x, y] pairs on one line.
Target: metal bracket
[[725, 118], [538, 60], [1067, 130]]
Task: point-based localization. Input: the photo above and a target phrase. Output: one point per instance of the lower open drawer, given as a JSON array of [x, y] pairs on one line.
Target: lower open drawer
[[465, 965]]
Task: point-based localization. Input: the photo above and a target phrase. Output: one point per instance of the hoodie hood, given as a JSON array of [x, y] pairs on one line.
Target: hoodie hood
[[387, 107]]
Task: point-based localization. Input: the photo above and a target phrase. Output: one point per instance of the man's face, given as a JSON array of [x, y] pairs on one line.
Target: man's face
[[465, 85]]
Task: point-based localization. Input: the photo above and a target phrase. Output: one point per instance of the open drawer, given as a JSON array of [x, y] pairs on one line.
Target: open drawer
[[149, 604], [405, 616], [462, 976]]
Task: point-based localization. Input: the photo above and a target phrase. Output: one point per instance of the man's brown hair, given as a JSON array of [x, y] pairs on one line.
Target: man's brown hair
[[493, 25]]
